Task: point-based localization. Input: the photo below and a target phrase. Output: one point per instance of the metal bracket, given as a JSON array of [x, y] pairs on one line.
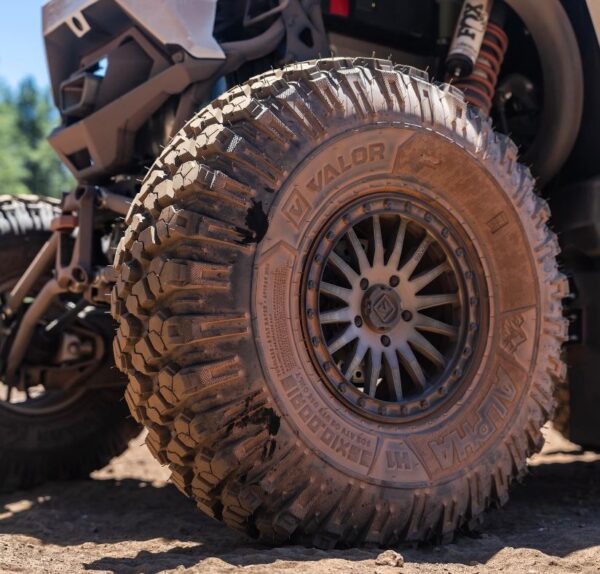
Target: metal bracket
[[76, 276], [78, 24]]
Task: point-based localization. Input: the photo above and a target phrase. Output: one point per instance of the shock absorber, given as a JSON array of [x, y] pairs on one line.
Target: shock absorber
[[477, 52]]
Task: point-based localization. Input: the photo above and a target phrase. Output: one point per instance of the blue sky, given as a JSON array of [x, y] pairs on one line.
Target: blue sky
[[21, 43]]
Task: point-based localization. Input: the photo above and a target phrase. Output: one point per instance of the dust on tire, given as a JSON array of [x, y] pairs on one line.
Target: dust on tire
[[223, 395]]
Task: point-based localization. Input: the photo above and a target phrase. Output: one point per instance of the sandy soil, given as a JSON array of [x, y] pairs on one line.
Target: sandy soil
[[127, 519]]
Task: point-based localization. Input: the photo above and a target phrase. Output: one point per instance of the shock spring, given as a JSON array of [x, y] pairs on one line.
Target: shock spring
[[479, 87]]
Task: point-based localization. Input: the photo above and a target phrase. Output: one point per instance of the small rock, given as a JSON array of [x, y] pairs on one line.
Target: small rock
[[390, 558]]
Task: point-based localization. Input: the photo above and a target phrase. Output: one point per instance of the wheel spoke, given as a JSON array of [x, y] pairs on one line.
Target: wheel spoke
[[428, 301], [431, 325], [359, 354], [411, 364], [394, 259], [336, 291], [343, 315], [423, 346], [374, 370], [347, 336], [409, 267], [377, 242], [343, 267], [425, 278], [394, 371], [361, 256]]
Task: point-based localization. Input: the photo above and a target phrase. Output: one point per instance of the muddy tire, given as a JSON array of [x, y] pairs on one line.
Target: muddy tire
[[290, 416], [70, 439]]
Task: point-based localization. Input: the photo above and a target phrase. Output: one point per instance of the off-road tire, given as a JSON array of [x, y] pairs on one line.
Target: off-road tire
[[86, 434], [207, 298]]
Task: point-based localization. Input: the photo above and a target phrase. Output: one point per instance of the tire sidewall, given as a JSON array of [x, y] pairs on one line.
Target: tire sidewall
[[453, 439]]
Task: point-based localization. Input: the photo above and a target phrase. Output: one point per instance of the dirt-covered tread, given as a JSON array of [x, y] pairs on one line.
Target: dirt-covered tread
[[21, 214], [186, 337]]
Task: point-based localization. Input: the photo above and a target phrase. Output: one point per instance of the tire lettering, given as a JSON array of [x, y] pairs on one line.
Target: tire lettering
[[343, 163], [456, 447], [355, 447]]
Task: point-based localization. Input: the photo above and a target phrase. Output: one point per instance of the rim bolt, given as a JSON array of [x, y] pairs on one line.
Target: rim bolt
[[364, 283], [394, 280], [358, 321], [315, 341], [407, 315], [329, 235], [311, 284], [310, 313], [385, 341]]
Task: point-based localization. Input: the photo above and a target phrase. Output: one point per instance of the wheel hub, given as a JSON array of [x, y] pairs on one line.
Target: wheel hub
[[381, 308], [390, 305]]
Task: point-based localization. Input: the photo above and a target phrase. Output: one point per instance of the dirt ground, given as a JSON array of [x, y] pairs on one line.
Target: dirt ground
[[127, 519]]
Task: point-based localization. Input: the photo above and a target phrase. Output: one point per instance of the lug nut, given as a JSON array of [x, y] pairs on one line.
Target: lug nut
[[385, 341], [394, 280], [364, 283], [358, 321], [407, 315]]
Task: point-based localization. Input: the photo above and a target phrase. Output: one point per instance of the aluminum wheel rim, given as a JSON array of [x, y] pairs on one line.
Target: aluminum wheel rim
[[390, 306]]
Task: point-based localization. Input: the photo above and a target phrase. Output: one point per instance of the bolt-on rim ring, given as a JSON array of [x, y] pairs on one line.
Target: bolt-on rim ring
[[390, 306]]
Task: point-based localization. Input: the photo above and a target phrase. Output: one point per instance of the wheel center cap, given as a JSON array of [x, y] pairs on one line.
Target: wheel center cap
[[381, 308]]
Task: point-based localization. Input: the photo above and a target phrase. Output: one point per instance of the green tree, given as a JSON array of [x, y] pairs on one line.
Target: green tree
[[12, 163], [28, 164]]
